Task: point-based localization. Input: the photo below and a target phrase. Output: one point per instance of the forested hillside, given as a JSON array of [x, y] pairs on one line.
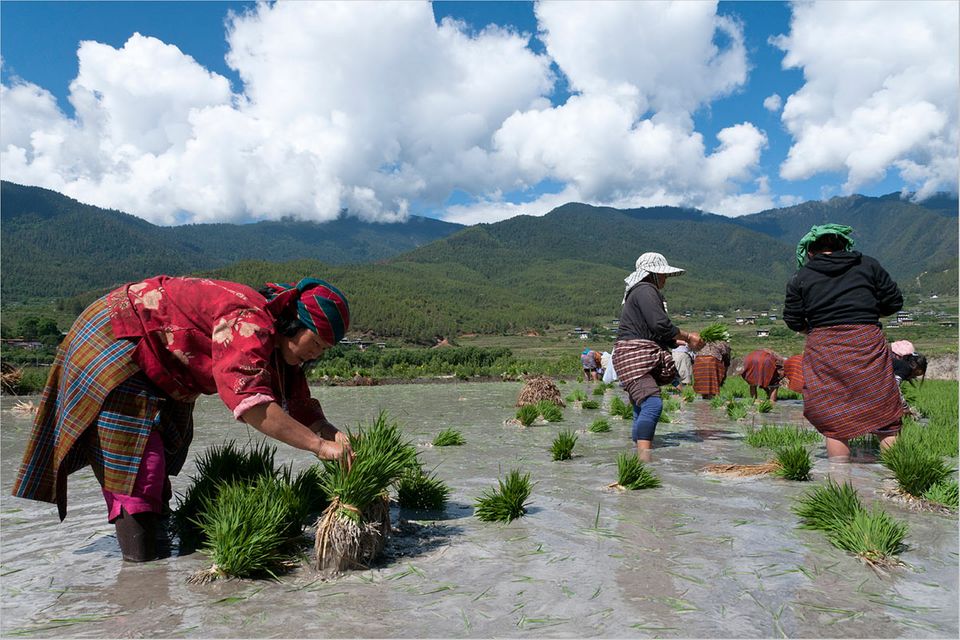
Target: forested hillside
[[54, 246]]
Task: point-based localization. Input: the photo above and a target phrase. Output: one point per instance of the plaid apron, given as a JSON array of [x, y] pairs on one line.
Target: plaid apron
[[793, 372], [94, 383], [848, 384], [633, 359], [708, 375]]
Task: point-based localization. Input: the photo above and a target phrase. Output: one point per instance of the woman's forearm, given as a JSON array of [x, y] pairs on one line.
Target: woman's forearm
[[271, 420]]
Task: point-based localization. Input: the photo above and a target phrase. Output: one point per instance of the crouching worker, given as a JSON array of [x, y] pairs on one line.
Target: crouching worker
[[763, 368], [122, 388], [837, 298], [641, 355]]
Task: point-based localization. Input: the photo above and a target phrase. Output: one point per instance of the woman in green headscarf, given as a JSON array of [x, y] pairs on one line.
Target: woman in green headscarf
[[837, 298]]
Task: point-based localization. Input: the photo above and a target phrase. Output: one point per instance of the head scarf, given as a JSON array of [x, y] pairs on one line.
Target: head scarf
[[321, 307], [902, 348], [818, 231]]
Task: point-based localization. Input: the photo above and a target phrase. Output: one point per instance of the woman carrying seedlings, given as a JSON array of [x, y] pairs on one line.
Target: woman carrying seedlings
[[641, 355], [763, 368], [837, 298], [122, 388], [710, 368]]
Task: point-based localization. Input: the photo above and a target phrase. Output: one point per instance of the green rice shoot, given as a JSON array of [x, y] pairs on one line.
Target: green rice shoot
[[599, 390], [764, 406], [716, 332], [632, 474], [828, 506], [422, 491], [943, 493], [448, 438], [915, 470], [599, 425], [795, 463], [562, 447], [736, 410], [717, 401], [664, 418], [620, 408], [773, 436], [688, 394], [549, 411], [578, 395], [590, 404], [872, 535], [506, 503], [527, 414]]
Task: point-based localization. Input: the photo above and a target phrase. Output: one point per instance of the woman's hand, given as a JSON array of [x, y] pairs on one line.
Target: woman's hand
[[332, 450]]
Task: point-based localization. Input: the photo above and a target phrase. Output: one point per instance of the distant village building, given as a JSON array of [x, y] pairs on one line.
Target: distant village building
[[750, 320], [773, 318], [739, 320], [763, 333], [17, 343]]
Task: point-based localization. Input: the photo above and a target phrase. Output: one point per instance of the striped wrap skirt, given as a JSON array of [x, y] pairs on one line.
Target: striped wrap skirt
[[793, 372], [709, 374], [848, 385], [98, 409]]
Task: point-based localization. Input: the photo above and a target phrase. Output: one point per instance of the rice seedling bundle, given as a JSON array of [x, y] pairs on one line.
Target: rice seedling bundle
[[778, 436], [250, 529], [539, 388], [620, 408], [506, 503], [527, 414], [670, 404], [689, 395], [419, 490], [871, 535], [549, 411], [717, 401], [600, 390], [599, 426], [736, 410], [664, 418], [590, 404], [788, 394], [215, 466], [764, 406], [795, 463], [943, 493], [868, 442], [828, 506], [577, 396], [562, 447], [448, 438], [352, 530], [915, 469], [715, 332], [632, 474]]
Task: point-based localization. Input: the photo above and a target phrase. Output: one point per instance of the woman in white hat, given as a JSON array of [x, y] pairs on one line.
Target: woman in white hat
[[641, 355]]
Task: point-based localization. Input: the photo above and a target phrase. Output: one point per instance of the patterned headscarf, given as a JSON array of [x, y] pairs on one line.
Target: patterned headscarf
[[816, 232], [321, 307]]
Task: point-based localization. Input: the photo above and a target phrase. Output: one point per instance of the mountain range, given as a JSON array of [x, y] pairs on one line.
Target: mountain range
[[425, 278]]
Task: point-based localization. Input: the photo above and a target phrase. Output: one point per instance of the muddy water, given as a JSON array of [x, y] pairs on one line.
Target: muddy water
[[699, 557]]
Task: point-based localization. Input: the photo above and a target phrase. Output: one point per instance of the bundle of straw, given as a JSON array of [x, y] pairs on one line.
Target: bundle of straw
[[10, 377], [716, 332], [539, 388], [353, 529], [742, 470]]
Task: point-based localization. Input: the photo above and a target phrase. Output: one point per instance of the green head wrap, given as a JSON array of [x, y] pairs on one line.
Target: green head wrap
[[816, 232]]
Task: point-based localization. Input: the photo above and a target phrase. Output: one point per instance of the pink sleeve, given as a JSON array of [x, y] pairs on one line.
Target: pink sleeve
[[242, 349]]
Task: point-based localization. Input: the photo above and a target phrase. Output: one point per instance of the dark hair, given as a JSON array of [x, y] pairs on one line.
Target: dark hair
[[911, 367], [829, 242], [288, 324]]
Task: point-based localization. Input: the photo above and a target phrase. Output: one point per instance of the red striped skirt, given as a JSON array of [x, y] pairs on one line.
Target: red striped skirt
[[708, 375], [760, 369], [848, 384], [793, 372]]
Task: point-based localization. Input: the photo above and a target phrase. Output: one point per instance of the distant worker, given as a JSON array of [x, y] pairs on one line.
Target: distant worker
[[908, 365], [590, 361], [710, 368], [837, 298], [641, 355], [763, 368], [683, 359], [793, 373]]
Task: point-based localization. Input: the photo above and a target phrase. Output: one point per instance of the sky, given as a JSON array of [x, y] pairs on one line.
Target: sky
[[472, 112]]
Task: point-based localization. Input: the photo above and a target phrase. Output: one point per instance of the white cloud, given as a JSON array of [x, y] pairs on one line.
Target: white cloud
[[880, 92], [773, 102]]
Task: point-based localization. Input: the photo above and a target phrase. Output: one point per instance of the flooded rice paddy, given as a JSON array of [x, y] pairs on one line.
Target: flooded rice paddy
[[702, 556]]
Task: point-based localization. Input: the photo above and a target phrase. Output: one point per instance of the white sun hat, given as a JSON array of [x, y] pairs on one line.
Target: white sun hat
[[648, 263]]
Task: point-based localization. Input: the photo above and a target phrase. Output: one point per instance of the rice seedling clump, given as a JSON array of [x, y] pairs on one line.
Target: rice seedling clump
[[562, 447], [665, 418], [249, 530], [620, 408], [633, 474], [717, 401], [943, 493], [599, 390], [915, 469], [764, 406], [448, 438], [736, 410], [506, 503], [795, 463], [688, 394], [352, 530], [419, 490], [549, 411], [590, 404], [778, 436], [527, 414], [577, 396], [599, 426], [715, 333], [828, 506]]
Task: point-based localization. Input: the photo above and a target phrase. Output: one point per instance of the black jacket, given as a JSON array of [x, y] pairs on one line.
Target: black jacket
[[843, 287], [644, 318]]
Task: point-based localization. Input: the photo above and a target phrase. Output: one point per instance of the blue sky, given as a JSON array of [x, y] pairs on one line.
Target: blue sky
[[227, 111]]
